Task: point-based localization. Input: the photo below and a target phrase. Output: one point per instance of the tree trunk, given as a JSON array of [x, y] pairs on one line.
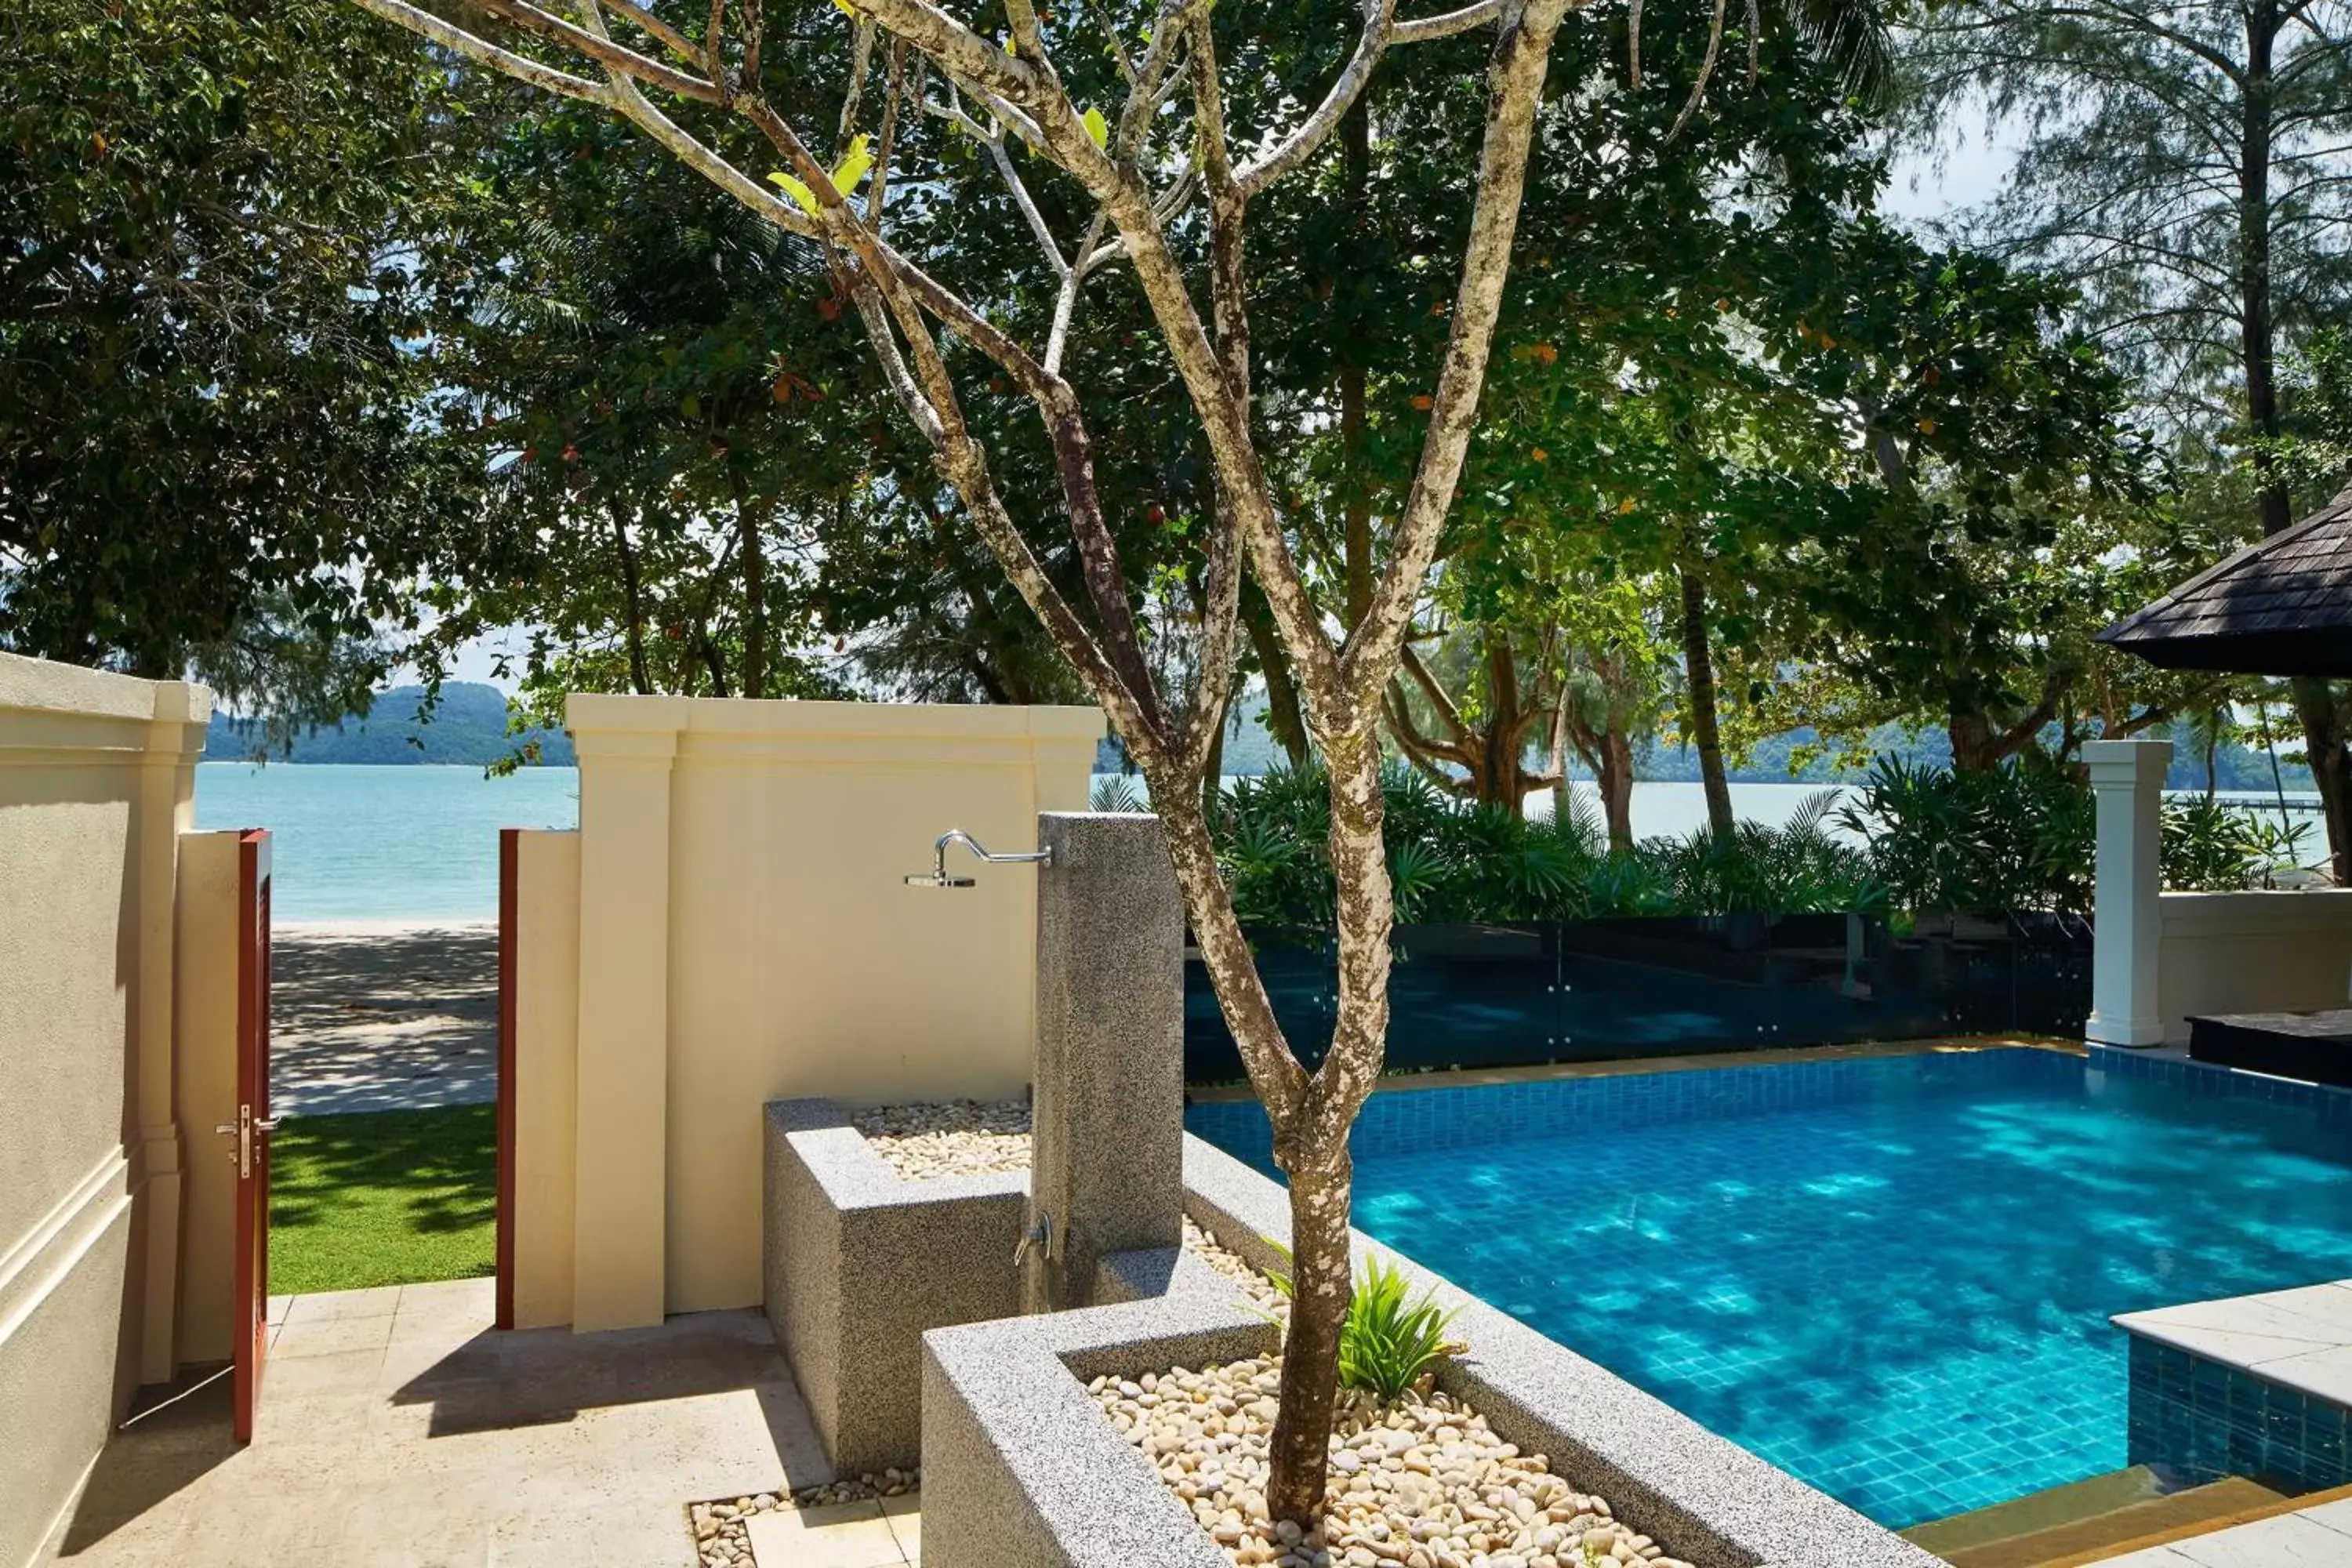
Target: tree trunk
[[1310, 1116], [2323, 731], [1213, 772], [2330, 753], [751, 530], [1321, 1196], [755, 606], [1355, 494], [713, 661], [1560, 809], [633, 601], [1974, 749], [1311, 1148], [1616, 779], [1699, 669], [2256, 319], [1284, 720], [1499, 743]]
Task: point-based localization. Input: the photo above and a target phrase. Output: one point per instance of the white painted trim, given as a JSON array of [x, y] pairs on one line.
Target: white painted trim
[[46, 1256]]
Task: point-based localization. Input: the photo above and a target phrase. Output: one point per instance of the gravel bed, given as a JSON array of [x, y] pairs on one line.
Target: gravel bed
[[949, 1138], [1257, 1290], [723, 1540], [1422, 1483]]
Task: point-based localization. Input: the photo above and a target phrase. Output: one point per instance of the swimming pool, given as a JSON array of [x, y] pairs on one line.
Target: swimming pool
[[1891, 1276]]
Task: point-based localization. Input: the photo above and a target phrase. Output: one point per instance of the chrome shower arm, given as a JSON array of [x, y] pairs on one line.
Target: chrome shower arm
[[938, 876]]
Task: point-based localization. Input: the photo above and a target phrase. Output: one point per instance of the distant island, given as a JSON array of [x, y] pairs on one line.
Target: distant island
[[1250, 749], [468, 727]]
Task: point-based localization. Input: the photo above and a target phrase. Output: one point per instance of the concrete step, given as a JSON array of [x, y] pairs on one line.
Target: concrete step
[[2097, 1519]]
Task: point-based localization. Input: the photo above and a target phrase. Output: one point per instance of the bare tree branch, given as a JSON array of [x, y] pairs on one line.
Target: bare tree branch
[[1446, 26], [1354, 76], [1521, 51], [669, 37], [615, 58], [449, 35]]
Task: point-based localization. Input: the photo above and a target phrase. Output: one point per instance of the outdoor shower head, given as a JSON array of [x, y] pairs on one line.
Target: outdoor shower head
[[937, 876]]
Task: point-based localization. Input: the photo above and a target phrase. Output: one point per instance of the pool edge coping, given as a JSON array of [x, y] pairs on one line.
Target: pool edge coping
[[1634, 1066]]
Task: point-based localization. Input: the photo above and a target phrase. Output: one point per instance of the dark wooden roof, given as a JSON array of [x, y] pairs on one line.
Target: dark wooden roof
[[2281, 606]]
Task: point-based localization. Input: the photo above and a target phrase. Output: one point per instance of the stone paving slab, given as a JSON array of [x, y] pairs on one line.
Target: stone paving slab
[[398, 1429], [2311, 1538], [881, 1534], [2300, 1338]]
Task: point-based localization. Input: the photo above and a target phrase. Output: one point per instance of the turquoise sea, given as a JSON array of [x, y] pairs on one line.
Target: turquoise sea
[[353, 842], [418, 842], [356, 842]]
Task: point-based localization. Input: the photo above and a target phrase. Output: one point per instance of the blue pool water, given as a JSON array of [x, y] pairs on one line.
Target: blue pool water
[[1891, 1278]]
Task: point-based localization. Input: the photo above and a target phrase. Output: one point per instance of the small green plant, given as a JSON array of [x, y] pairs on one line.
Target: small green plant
[[1390, 1336]]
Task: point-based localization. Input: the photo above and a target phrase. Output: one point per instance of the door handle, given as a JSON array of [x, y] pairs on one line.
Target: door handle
[[243, 1130]]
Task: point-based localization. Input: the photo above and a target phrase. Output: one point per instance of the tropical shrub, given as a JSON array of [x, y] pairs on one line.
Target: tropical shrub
[[1451, 861], [2018, 837], [1390, 1337], [2212, 848], [1798, 868], [2023, 836], [1115, 792]]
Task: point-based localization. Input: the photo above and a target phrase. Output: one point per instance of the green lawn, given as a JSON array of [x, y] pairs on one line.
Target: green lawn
[[390, 1198]]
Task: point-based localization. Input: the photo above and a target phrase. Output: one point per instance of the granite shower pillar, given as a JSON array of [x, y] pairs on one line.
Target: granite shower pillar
[[1107, 1160]]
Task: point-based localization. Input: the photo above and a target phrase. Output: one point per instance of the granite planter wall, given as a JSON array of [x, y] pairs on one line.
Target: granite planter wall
[[1021, 1470], [859, 1262]]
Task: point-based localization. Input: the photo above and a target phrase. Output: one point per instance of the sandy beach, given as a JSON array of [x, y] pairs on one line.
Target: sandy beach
[[383, 1015]]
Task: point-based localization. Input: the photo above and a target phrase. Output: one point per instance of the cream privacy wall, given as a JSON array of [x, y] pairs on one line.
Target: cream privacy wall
[[97, 777], [2251, 953], [746, 933], [204, 1077], [2160, 957], [546, 1099]]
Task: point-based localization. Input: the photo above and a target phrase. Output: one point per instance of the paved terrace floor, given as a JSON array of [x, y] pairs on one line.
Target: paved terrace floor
[[2309, 1538], [398, 1428], [382, 1016]]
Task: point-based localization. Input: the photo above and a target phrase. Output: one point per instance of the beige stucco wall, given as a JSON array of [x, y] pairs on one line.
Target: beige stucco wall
[[745, 933], [2252, 953], [204, 1075], [547, 1017], [96, 782]]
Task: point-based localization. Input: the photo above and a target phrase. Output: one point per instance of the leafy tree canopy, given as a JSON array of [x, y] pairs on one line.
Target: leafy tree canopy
[[225, 270]]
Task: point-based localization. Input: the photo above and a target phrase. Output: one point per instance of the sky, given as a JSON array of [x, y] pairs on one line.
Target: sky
[[1923, 189]]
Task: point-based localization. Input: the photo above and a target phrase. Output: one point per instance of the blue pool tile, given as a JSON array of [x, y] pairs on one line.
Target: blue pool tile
[[1890, 1276]]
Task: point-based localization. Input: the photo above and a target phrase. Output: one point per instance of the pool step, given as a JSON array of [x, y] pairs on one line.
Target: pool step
[[2086, 1520], [2037, 1511]]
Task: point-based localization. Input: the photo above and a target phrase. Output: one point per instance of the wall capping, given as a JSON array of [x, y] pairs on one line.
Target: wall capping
[[70, 691], [2254, 912], [595, 713]]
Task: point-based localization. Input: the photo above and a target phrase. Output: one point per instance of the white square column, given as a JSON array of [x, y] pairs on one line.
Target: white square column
[[2128, 782]]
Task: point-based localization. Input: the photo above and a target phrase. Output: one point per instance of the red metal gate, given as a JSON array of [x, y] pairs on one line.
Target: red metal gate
[[253, 1125]]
